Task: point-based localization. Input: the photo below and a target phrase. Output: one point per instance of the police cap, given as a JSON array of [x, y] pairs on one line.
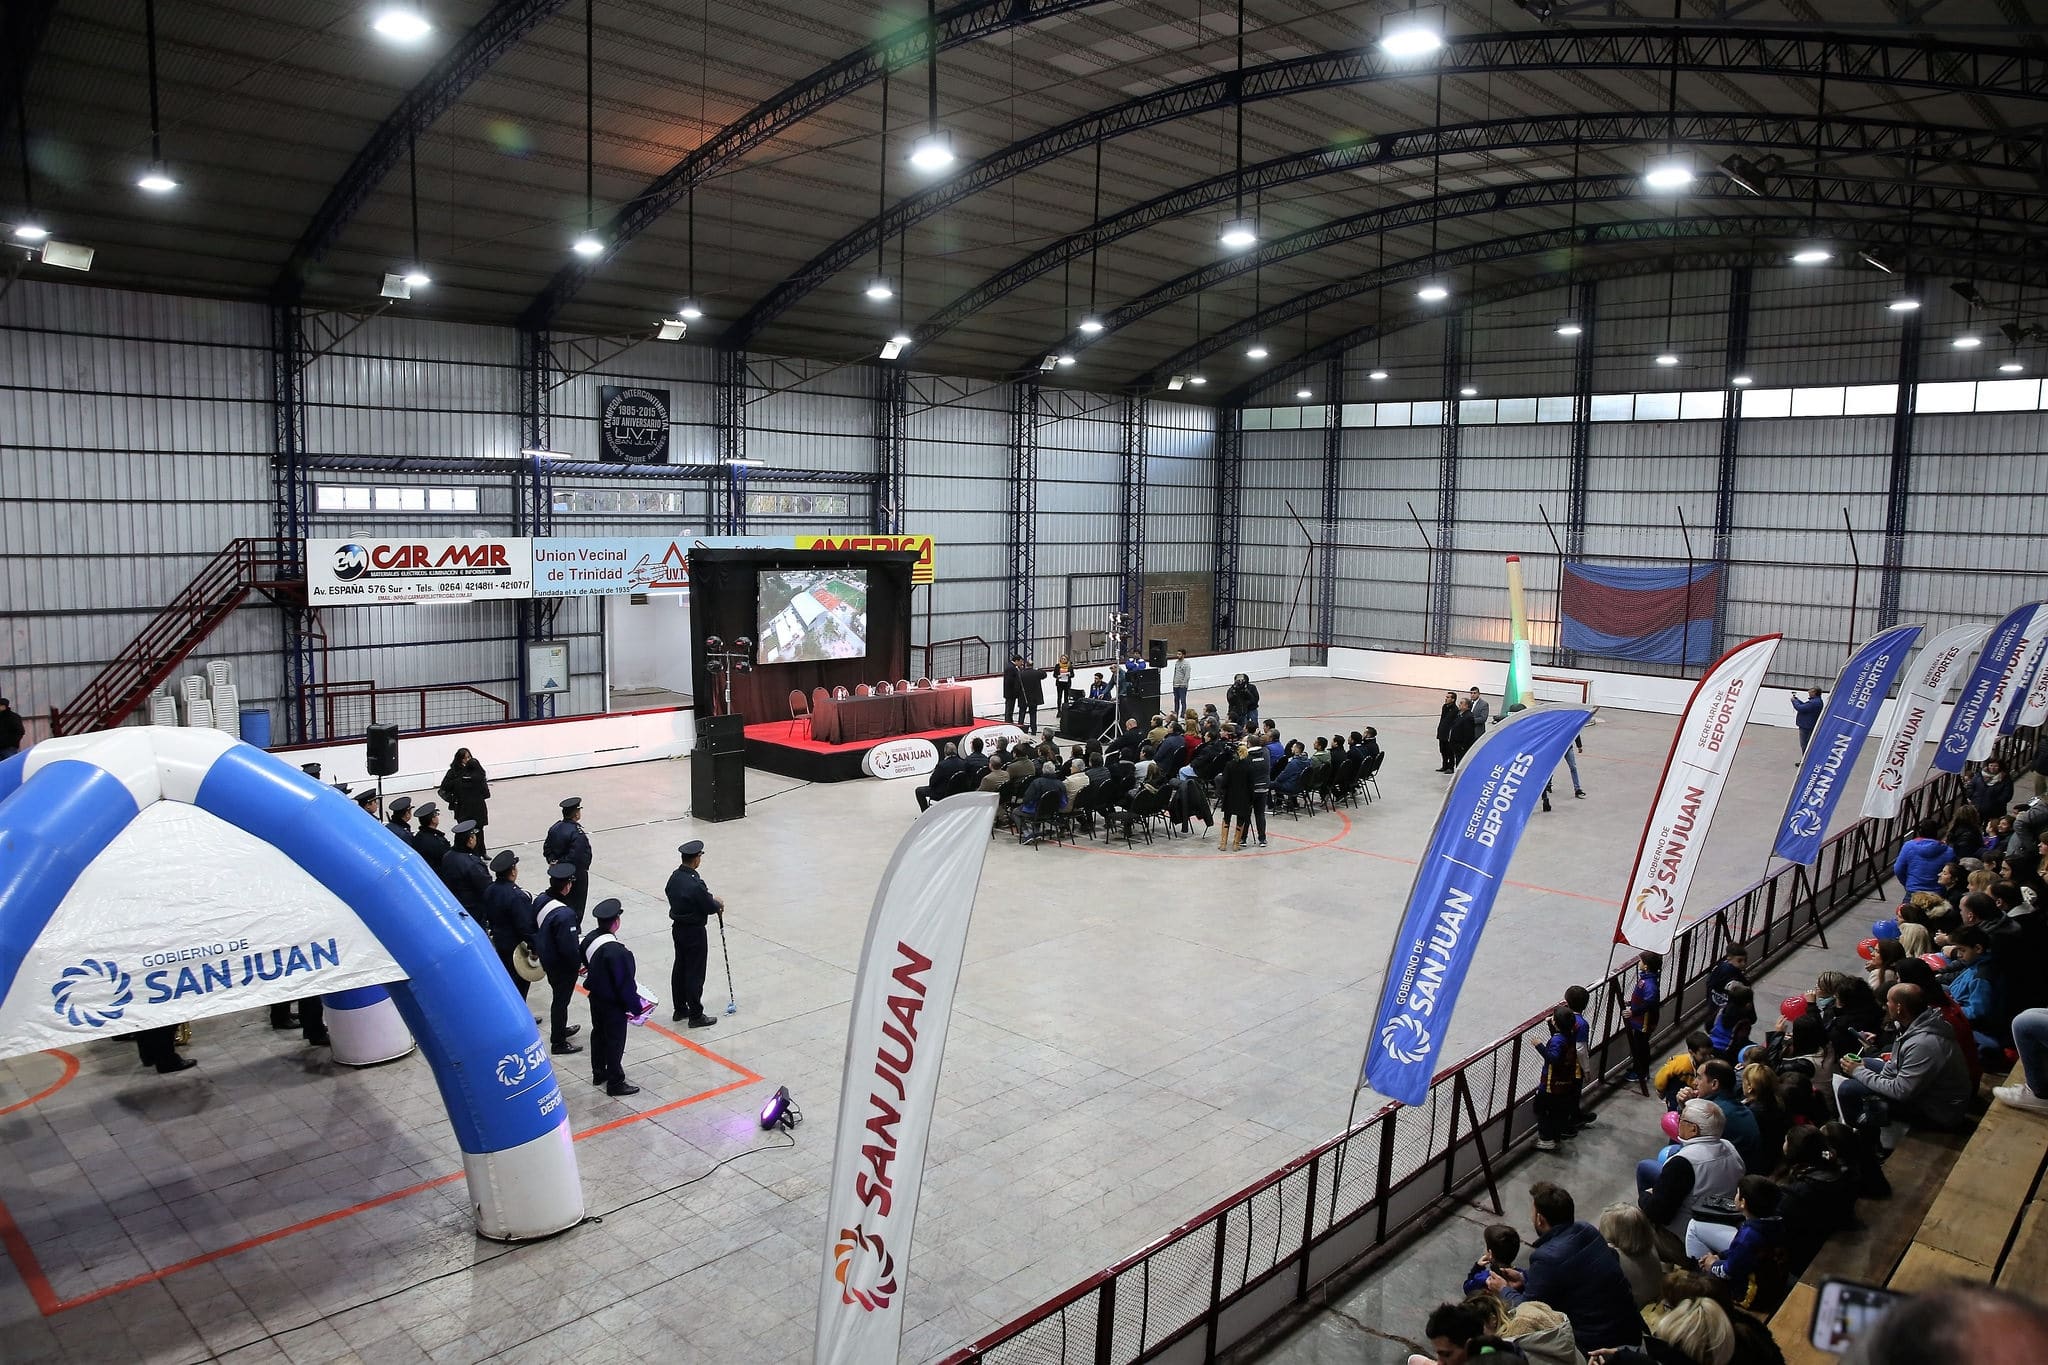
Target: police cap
[[608, 908], [562, 872], [572, 803], [428, 811], [400, 806], [504, 862], [462, 827], [691, 849]]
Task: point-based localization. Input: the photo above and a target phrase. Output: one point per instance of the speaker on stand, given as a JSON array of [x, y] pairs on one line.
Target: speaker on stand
[[1156, 654], [381, 757], [718, 769]]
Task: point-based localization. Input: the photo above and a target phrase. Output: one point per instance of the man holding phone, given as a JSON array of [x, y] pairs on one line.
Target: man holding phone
[[1926, 1082]]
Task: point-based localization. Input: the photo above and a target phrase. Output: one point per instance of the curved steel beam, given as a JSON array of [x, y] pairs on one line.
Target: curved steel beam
[[962, 23], [1919, 247], [1910, 198], [474, 54], [1837, 135], [1972, 68]]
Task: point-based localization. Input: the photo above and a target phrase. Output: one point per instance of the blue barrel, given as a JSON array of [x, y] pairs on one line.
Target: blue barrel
[[256, 726]]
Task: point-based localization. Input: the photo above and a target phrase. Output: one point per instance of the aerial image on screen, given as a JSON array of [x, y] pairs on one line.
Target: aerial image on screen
[[807, 615]]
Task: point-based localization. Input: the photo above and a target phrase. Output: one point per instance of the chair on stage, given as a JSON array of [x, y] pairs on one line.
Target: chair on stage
[[885, 688], [863, 691], [841, 694], [799, 710], [924, 684], [903, 685]]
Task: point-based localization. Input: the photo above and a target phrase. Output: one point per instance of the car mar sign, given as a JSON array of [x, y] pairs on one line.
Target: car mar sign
[[416, 569]]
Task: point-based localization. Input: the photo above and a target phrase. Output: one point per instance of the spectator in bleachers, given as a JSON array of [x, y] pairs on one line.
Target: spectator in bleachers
[[1736, 1254], [1914, 935], [1856, 1012], [1703, 1166], [1696, 1332], [1733, 1021], [1573, 1270], [1761, 1095], [1639, 1017], [1677, 1072], [1503, 1245], [1914, 971], [1918, 866], [1818, 1200], [1990, 790], [1541, 1333], [1454, 1329], [1951, 1326], [1965, 832], [1717, 1083], [1926, 1083], [2030, 1040], [1627, 1229], [1733, 966], [1971, 988]]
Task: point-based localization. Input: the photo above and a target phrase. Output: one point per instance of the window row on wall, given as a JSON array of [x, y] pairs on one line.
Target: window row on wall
[[1835, 400], [330, 497]]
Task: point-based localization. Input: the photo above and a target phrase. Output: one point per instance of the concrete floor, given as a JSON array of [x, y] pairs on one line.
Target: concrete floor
[[1138, 1033]]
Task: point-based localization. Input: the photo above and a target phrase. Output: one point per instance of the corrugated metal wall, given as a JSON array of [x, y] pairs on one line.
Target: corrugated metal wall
[[957, 488]]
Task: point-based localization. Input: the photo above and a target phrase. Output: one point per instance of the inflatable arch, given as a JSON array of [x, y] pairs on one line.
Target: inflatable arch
[[64, 801]]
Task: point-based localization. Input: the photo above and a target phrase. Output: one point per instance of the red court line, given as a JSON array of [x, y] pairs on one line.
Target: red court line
[[70, 1064], [30, 1267]]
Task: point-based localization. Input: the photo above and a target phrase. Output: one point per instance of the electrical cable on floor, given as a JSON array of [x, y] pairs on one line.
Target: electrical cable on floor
[[513, 1249]]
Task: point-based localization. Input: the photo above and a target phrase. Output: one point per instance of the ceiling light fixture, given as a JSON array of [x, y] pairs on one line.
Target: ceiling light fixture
[[671, 329], [1239, 233], [155, 180], [933, 152], [1066, 359], [1569, 329], [1967, 342], [1196, 380], [1812, 255], [1256, 351], [30, 232], [414, 275], [2012, 367], [1377, 375], [690, 311], [588, 245], [1668, 177], [879, 288], [1414, 34], [401, 24], [1175, 383], [1666, 359], [1091, 325], [1874, 262], [1903, 305], [1304, 393], [1468, 392], [895, 345], [1432, 293], [1742, 381]]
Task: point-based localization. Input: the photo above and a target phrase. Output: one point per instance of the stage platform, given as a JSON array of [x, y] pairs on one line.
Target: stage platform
[[787, 750]]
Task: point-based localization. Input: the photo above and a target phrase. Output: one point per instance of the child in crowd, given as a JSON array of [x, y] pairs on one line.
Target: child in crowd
[[1576, 999], [1677, 1073], [1730, 1031], [1971, 986], [1503, 1244], [1557, 1092], [1734, 1254], [1733, 967], [1645, 1003]]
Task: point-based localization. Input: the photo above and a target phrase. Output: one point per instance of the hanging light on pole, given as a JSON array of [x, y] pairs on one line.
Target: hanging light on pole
[[1239, 232], [933, 152], [589, 244], [156, 179]]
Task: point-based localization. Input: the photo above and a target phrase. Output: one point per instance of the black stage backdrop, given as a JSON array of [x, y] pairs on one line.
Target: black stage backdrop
[[722, 603]]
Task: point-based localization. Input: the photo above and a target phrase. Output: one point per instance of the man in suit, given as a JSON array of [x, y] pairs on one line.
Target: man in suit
[[690, 908], [1482, 711], [558, 933], [614, 998], [948, 771], [567, 843], [1013, 689]]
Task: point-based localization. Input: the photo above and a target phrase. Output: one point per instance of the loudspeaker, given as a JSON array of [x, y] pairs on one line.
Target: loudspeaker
[[721, 734], [383, 749], [718, 786], [1156, 655]]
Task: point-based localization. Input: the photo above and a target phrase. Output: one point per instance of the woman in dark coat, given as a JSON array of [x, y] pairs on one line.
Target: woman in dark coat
[[467, 790], [1444, 725], [1235, 789]]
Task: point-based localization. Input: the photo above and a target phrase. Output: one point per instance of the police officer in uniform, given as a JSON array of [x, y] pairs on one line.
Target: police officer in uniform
[[614, 996], [427, 840], [366, 800], [158, 1047], [508, 915], [558, 938], [690, 907], [567, 843], [399, 818], [463, 871]]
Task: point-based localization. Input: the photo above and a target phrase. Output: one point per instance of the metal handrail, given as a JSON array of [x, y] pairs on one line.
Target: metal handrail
[[1089, 1323], [326, 694], [987, 654], [176, 630]]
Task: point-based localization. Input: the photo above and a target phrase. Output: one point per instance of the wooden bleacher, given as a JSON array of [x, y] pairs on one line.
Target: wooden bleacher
[[1961, 1211]]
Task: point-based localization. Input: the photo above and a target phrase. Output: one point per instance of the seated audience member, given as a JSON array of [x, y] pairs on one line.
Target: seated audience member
[[1954, 881], [1964, 833], [1454, 1330], [1971, 989], [1098, 690], [1076, 780], [1540, 1333], [1696, 1332], [1858, 1159], [1157, 734], [1287, 781], [2030, 1040], [1914, 935], [1884, 959], [1918, 866], [1735, 1254], [1817, 1199], [1627, 1229], [1926, 1083], [1954, 1326], [1703, 1166], [1573, 1270], [1130, 739], [1915, 972], [1761, 1095], [1856, 1012], [997, 777], [1368, 741], [948, 771], [1320, 756], [1677, 1072], [1733, 1021], [1503, 1244], [1044, 796], [1717, 1083]]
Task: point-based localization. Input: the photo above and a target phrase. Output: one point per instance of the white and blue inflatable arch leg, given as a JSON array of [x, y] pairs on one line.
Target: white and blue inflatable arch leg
[[64, 801], [364, 1027]]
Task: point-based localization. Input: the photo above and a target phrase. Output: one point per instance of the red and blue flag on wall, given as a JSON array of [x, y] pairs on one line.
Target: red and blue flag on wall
[[1651, 615]]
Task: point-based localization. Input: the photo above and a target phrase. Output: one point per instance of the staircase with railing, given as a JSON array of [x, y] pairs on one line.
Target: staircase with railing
[[243, 566]]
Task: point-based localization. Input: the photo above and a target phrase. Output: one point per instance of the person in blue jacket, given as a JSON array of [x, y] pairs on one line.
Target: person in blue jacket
[[1974, 988], [1572, 1269], [1806, 714], [1918, 866], [560, 943], [1734, 1253]]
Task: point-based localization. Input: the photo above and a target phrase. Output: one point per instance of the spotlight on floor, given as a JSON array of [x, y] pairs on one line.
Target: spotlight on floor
[[781, 1111]]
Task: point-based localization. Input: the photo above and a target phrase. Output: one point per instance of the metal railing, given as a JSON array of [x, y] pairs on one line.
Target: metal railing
[[347, 708], [958, 653], [1335, 1212], [216, 590]]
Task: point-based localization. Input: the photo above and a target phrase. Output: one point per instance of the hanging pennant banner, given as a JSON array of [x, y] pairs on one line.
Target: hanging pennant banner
[[1837, 742], [1702, 750], [1935, 669], [902, 1004], [1995, 666], [2027, 679], [1499, 783], [2034, 710]]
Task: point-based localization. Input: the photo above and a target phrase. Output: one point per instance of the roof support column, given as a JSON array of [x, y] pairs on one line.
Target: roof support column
[[1900, 487], [730, 501], [291, 504], [1229, 524], [1023, 514], [533, 505], [892, 410], [1443, 562], [1581, 463], [1131, 521], [1333, 454], [1736, 360]]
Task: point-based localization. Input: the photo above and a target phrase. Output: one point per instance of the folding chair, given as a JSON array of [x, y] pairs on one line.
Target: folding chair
[[799, 710]]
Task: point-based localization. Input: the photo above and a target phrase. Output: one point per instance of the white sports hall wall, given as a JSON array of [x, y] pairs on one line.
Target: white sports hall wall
[[136, 431]]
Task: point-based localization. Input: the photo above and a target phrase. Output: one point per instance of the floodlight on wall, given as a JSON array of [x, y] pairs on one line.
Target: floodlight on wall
[[1744, 174], [1052, 358], [69, 255], [1417, 33], [895, 346], [1175, 383], [401, 24], [395, 287], [671, 329]]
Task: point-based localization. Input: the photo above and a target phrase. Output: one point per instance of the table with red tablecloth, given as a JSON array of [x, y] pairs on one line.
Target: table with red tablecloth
[[858, 719]]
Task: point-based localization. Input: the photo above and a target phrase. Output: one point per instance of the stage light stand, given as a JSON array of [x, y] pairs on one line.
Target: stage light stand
[[722, 661]]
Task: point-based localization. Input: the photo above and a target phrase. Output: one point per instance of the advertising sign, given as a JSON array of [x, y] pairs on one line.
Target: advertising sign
[[920, 572], [1702, 751], [611, 566], [1477, 830], [1935, 669], [900, 758], [1979, 701], [632, 425], [417, 569], [1860, 690]]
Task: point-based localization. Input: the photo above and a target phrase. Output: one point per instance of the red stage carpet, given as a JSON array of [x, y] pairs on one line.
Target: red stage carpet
[[788, 750]]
